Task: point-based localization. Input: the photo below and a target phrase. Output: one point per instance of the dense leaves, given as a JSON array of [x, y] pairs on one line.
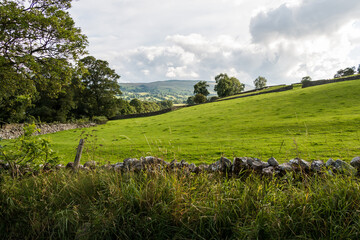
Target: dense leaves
[[226, 86], [100, 88], [38, 45], [201, 88], [345, 72], [260, 82], [199, 98]]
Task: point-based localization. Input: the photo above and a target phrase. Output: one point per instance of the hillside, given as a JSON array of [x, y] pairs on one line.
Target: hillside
[[313, 123], [176, 90]]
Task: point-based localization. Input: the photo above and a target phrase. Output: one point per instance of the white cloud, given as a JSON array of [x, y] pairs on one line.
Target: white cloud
[[282, 40], [307, 18]]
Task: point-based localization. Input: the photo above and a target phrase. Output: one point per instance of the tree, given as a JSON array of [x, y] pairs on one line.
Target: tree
[[138, 105], [226, 86], [260, 82], [345, 72], [201, 87], [306, 79], [199, 98], [100, 89], [165, 104], [190, 100], [38, 45]]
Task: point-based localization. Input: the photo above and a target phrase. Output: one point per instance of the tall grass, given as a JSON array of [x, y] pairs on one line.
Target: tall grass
[[110, 205]]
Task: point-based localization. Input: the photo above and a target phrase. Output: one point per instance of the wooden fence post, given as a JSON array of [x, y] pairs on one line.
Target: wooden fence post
[[78, 154]]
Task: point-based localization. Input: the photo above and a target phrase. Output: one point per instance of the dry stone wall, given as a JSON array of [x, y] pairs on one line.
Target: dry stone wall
[[11, 131]]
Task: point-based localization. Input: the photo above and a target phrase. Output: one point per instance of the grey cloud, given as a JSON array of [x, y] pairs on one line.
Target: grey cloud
[[308, 18]]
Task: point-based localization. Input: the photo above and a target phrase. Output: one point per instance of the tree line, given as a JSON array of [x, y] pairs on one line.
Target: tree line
[[225, 86], [43, 74]]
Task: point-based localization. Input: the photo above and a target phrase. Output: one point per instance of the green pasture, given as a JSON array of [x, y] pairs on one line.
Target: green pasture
[[313, 123]]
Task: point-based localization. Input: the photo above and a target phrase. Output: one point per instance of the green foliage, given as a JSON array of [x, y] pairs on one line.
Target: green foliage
[[345, 72], [38, 43], [201, 88], [190, 100], [306, 79], [260, 82], [124, 107], [28, 151], [199, 98], [138, 105], [213, 98], [100, 88], [99, 119], [165, 104], [226, 86], [110, 205]]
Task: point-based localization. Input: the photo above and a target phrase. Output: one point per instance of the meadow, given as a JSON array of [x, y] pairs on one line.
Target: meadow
[[312, 123], [319, 122]]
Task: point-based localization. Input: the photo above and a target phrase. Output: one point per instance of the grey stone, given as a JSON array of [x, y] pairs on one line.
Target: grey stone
[[192, 167], [300, 164], [184, 164], [269, 171], [317, 166], [257, 165], [239, 164], [203, 167], [273, 162], [90, 164], [330, 163], [286, 167], [130, 162], [355, 162], [119, 167], [225, 164], [69, 165], [215, 167], [344, 168]]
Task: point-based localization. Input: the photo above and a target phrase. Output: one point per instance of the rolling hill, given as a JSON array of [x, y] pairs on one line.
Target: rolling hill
[[176, 90], [313, 123]]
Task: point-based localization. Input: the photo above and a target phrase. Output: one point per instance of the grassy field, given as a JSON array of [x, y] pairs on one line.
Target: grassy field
[[110, 205], [313, 123]]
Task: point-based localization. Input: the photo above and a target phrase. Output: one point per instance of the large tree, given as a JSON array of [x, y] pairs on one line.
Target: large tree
[[38, 45], [260, 82], [98, 97], [226, 86], [201, 88]]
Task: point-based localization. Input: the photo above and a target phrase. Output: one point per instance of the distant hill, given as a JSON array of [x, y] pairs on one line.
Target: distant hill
[[176, 90]]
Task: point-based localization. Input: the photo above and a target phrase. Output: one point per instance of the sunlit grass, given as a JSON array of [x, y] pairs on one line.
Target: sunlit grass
[[313, 123]]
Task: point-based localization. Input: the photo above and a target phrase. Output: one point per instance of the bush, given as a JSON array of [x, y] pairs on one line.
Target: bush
[[99, 119], [190, 100], [199, 98], [27, 152], [214, 98]]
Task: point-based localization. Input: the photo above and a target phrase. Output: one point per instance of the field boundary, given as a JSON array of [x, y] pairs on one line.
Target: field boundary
[[327, 81]]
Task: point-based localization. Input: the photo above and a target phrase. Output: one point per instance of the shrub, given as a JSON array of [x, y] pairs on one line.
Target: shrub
[[27, 151], [199, 98], [213, 98], [99, 119]]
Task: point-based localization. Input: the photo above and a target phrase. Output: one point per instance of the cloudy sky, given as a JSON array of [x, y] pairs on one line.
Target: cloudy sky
[[282, 40]]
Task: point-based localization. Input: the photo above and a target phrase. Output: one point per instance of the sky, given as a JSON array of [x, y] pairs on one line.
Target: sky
[[281, 40]]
